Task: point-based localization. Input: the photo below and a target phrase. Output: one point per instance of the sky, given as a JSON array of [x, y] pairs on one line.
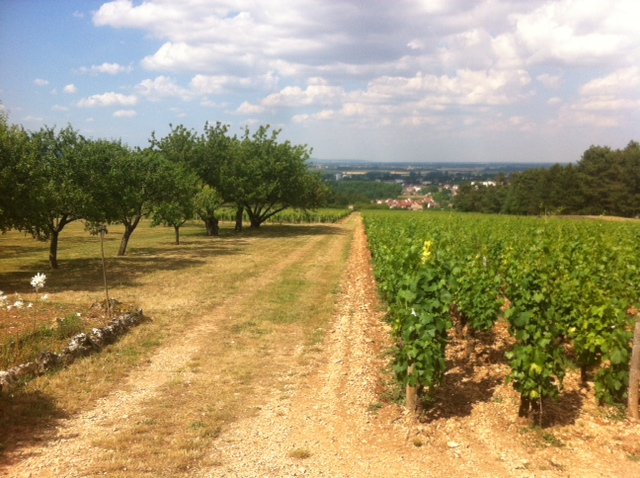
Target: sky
[[375, 80]]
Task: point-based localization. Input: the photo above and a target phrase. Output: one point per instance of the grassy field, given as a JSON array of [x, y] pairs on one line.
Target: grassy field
[[232, 313]]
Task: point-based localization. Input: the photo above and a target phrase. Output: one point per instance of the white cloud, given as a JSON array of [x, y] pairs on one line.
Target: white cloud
[[162, 87], [220, 84], [612, 93], [323, 115], [247, 108], [207, 103], [59, 108], [125, 114], [40, 82], [108, 99], [625, 80], [579, 32], [550, 81], [70, 89], [108, 68], [317, 92]]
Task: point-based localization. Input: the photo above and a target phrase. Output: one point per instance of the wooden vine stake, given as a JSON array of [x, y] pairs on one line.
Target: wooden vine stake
[[104, 273], [634, 373], [413, 401]]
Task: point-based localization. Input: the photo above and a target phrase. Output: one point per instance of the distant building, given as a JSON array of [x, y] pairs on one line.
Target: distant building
[[484, 183]]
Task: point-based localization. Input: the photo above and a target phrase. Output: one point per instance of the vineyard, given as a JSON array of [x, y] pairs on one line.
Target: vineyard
[[293, 216], [566, 289]]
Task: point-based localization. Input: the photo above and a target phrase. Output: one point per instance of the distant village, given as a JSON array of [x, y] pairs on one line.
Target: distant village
[[423, 185], [414, 199]]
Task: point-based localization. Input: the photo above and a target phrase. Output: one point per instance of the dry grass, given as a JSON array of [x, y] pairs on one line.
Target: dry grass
[[300, 453], [241, 309]]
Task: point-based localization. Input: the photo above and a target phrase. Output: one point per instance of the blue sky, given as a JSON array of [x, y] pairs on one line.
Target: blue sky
[[402, 80]]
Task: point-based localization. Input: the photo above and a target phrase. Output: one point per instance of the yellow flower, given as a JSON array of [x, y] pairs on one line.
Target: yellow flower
[[427, 250]]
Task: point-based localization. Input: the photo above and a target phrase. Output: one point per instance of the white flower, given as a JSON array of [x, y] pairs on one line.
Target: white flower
[[18, 304], [414, 313], [29, 305], [45, 297], [37, 281]]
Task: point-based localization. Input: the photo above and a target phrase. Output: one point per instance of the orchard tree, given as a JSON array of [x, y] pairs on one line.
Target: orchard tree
[[206, 202], [265, 176], [14, 177], [131, 186], [174, 203], [59, 181]]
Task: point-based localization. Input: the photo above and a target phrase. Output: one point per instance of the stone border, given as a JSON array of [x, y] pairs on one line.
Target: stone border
[[81, 345]]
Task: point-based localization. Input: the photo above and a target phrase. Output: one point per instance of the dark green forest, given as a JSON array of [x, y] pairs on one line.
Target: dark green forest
[[604, 182], [349, 192]]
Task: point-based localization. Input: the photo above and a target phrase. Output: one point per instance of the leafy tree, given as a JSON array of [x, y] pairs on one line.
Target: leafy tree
[[265, 176], [206, 202], [131, 187], [14, 179], [175, 201], [58, 175], [599, 177], [215, 149], [630, 157]]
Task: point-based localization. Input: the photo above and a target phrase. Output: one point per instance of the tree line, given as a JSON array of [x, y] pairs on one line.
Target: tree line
[[604, 182], [49, 178], [360, 192]]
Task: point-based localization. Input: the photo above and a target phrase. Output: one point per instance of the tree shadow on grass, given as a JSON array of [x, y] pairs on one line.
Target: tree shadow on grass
[[26, 418], [85, 274]]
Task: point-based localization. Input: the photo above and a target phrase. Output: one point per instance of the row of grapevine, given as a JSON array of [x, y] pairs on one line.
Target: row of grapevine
[[293, 216], [567, 289]]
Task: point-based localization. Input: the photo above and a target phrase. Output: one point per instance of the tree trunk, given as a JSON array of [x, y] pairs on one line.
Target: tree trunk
[[255, 221], [53, 249], [129, 227], [239, 213], [124, 242], [211, 223], [177, 229], [634, 373]]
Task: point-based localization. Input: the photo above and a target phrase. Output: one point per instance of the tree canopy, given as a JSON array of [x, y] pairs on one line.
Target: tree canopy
[[604, 181], [52, 177]]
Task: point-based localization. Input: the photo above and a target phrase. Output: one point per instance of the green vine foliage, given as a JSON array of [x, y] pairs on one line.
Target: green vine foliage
[[567, 287], [421, 319]]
